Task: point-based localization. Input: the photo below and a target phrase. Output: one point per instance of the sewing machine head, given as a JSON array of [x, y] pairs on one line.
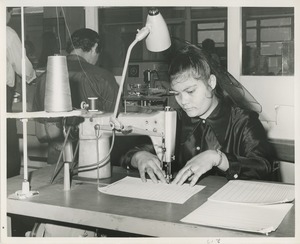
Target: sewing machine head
[[97, 129]]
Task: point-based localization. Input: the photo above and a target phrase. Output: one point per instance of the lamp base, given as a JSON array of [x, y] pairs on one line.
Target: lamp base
[[25, 192]]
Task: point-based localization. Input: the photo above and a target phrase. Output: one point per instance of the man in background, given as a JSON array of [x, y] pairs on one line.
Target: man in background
[[208, 45], [86, 80]]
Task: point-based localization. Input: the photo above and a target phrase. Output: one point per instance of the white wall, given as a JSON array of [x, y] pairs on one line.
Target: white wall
[[274, 93]]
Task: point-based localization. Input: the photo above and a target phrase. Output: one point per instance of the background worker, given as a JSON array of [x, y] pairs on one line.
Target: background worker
[[14, 69], [86, 80]]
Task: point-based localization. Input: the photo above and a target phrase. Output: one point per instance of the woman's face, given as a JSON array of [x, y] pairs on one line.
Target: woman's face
[[195, 96]]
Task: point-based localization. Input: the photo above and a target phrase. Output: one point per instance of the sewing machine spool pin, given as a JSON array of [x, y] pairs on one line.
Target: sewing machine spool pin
[[91, 106]]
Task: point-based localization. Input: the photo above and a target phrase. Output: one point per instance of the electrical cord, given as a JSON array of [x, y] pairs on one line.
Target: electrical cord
[[100, 163]]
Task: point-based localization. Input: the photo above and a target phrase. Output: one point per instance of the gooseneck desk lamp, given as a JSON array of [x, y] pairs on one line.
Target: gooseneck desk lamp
[[157, 40]]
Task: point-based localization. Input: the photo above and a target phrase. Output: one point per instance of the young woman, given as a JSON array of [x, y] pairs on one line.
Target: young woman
[[218, 133]]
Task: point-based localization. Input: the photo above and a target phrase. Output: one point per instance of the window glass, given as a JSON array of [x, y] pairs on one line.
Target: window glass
[[210, 25], [251, 23], [268, 41], [276, 34], [210, 31], [216, 35], [251, 36], [276, 22]]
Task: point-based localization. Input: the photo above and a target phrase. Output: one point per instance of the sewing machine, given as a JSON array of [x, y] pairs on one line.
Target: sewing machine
[[96, 131]]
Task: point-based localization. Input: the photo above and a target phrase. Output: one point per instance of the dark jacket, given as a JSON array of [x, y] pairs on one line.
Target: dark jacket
[[237, 132], [86, 80]]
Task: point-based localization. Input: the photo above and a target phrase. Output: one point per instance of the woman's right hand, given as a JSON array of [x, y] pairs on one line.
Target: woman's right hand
[[149, 163]]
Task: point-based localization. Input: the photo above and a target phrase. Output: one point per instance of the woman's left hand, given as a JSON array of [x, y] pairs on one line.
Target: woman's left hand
[[196, 167]]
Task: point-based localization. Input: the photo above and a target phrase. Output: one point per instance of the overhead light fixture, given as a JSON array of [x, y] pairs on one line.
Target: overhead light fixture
[[158, 39]]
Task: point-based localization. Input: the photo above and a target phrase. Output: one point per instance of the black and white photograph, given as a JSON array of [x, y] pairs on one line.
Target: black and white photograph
[[149, 121]]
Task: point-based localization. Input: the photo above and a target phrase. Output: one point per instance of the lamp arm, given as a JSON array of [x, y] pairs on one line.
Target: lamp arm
[[142, 33], [139, 36], [123, 78]]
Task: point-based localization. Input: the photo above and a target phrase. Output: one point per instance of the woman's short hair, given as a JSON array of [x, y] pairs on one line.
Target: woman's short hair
[[84, 39]]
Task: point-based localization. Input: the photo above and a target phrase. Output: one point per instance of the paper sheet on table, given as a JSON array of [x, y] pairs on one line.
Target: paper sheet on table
[[254, 192], [135, 188], [252, 218]]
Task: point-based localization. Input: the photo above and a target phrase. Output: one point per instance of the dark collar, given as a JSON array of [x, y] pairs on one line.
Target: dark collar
[[74, 57], [219, 118]]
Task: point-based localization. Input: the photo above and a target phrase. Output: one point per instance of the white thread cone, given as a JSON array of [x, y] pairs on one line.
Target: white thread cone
[[57, 92]]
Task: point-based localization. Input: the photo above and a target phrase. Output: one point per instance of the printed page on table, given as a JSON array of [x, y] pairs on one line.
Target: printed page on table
[[254, 192], [251, 218]]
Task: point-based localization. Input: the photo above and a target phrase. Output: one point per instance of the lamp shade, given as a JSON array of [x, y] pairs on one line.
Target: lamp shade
[[158, 39]]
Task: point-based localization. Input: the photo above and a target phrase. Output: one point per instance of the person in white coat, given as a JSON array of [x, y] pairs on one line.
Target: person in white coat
[[14, 69]]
